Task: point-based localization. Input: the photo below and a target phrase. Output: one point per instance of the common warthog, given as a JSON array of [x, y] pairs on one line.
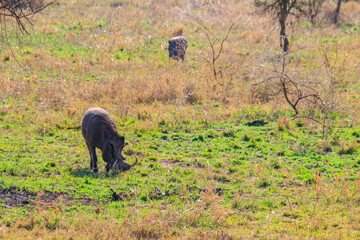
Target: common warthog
[[177, 48], [100, 131]]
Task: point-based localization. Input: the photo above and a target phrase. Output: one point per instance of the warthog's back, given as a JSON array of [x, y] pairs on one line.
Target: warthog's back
[[97, 126]]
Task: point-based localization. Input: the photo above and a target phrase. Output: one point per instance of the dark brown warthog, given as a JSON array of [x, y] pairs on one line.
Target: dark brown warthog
[[100, 131]]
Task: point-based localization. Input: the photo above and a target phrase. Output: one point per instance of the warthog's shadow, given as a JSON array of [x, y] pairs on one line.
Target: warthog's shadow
[[85, 172]]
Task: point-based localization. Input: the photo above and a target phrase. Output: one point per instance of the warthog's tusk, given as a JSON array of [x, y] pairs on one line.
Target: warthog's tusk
[[114, 164], [136, 161]]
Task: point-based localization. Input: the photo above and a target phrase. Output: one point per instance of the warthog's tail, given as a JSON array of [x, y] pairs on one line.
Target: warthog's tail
[[67, 128]]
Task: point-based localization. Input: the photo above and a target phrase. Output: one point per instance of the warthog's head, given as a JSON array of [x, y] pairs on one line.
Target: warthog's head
[[112, 154]]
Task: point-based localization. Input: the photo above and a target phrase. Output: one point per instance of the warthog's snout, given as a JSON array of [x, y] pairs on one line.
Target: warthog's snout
[[123, 166]]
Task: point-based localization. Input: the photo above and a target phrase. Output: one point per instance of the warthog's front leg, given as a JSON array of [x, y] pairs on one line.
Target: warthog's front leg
[[93, 158], [108, 167]]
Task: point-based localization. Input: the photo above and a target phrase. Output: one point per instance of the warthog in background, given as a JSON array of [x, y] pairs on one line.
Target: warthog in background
[[100, 131], [177, 48]]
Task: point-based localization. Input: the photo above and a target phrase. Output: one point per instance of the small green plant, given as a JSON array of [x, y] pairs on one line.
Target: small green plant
[[246, 138], [275, 163], [263, 182], [229, 133]]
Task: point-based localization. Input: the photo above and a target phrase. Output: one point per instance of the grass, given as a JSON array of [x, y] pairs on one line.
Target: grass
[[216, 159], [242, 181]]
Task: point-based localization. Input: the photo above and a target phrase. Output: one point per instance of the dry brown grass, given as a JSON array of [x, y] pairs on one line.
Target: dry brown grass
[[160, 222], [147, 80]]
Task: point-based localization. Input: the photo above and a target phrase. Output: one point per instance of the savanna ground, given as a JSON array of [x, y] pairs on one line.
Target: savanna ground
[[219, 158]]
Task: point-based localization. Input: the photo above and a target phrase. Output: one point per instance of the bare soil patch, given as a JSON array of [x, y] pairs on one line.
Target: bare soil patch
[[256, 123], [13, 197], [174, 162]]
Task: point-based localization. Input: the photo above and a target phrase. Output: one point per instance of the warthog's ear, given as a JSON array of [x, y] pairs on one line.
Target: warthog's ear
[[108, 152], [107, 147]]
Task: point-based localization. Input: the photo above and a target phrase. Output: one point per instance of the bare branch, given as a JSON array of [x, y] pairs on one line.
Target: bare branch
[[21, 11], [223, 41]]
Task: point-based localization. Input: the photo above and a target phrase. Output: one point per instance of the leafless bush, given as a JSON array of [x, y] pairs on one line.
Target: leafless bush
[[220, 56], [294, 91], [323, 112], [21, 11], [332, 87], [216, 46], [316, 99], [312, 9]]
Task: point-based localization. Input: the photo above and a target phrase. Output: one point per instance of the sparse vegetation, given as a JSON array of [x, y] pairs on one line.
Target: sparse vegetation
[[219, 156]]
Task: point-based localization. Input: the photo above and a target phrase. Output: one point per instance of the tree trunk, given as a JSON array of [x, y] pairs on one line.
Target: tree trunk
[[284, 42], [337, 11]]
